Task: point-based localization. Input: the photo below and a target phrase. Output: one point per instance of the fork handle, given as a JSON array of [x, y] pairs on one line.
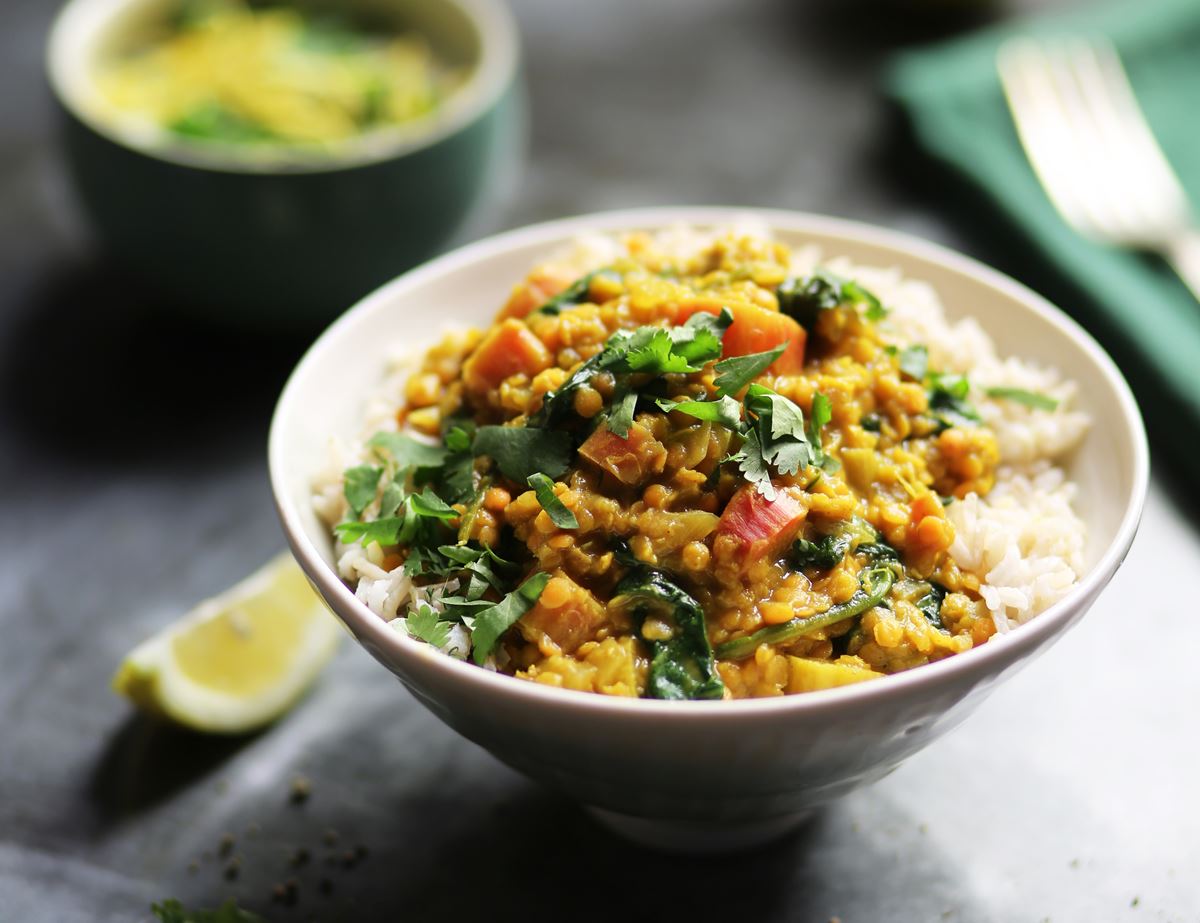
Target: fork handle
[[1182, 253]]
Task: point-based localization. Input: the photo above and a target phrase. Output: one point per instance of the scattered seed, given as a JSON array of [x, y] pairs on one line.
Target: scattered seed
[[326, 886], [233, 868], [330, 837], [299, 858], [225, 847], [193, 868], [253, 830], [360, 852]]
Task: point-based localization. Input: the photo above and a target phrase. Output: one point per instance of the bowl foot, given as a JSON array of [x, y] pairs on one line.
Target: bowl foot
[[697, 837]]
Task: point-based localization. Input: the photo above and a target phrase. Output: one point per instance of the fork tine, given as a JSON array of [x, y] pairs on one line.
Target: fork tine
[[1089, 123], [1149, 169], [1043, 128]]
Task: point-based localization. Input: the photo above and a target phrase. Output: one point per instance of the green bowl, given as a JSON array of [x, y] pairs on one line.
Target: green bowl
[[279, 235]]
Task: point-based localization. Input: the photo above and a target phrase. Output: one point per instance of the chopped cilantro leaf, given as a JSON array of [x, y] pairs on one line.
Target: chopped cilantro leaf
[[736, 372], [554, 507], [427, 503], [408, 452], [914, 362], [359, 485], [520, 451], [424, 625], [383, 531], [725, 411], [492, 622], [621, 417], [393, 496], [776, 436], [645, 351], [1028, 398]]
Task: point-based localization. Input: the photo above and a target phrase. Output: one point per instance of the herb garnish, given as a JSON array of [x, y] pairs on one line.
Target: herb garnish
[[492, 622], [520, 451], [775, 437], [554, 507], [1032, 399], [647, 350], [423, 624], [725, 411], [360, 485], [736, 372]]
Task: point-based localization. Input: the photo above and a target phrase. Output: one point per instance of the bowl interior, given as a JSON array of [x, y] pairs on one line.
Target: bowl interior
[[325, 395], [475, 35]]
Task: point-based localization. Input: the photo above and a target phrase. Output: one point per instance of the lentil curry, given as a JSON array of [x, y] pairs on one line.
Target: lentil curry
[[680, 478]]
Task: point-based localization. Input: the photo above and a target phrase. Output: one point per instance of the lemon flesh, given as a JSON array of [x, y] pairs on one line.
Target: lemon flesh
[[239, 660]]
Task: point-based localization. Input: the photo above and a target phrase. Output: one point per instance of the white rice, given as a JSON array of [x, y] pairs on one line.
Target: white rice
[[1024, 540]]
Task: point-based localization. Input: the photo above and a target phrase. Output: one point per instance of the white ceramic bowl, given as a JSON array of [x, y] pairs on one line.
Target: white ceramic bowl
[[701, 775]]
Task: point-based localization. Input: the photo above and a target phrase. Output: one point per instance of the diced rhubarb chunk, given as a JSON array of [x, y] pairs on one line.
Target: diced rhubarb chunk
[[510, 347], [632, 459], [763, 527], [754, 330], [566, 614]]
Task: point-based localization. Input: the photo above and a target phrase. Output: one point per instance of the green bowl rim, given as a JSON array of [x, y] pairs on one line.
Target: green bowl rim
[[80, 20]]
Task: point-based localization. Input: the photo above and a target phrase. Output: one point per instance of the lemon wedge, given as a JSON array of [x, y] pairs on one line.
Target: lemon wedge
[[239, 660]]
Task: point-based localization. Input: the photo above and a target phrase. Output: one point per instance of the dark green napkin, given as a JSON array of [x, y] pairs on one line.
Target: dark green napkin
[[1133, 302]]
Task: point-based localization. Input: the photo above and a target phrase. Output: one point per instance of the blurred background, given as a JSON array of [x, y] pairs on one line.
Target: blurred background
[[132, 441]]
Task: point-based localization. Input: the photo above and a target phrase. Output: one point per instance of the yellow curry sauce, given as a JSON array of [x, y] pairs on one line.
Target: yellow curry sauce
[[769, 556]]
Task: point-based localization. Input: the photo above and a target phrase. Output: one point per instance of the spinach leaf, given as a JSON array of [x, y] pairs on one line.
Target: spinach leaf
[[874, 585], [871, 422], [577, 292], [931, 604], [803, 299], [520, 451], [877, 551], [359, 485], [736, 372], [1029, 398], [823, 554], [492, 622], [948, 400], [554, 507], [681, 666]]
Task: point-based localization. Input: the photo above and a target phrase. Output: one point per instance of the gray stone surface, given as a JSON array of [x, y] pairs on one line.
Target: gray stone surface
[[132, 459]]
